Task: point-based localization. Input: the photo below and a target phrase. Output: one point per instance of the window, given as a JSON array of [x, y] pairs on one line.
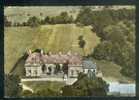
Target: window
[[94, 70], [72, 72], [43, 68], [35, 72], [29, 71], [89, 71], [50, 69], [77, 71]]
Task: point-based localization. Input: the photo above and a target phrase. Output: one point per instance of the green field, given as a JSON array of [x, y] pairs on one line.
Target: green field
[[54, 38], [43, 85], [111, 71], [20, 14]]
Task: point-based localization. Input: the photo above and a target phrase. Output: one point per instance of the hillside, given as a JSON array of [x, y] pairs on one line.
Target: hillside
[[54, 38], [111, 71]]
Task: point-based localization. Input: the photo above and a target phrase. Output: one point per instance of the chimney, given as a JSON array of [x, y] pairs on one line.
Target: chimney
[[60, 53], [50, 53], [29, 52], [42, 52], [69, 53]]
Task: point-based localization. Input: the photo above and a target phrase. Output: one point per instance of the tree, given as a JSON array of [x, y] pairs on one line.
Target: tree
[[103, 51], [81, 75], [128, 61], [41, 14], [65, 67], [82, 43], [85, 16], [116, 34], [33, 21], [85, 86], [63, 18], [6, 21], [47, 19], [12, 87], [80, 37], [71, 19]]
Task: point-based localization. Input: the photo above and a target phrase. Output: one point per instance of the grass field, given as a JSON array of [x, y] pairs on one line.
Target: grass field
[[54, 38], [36, 86], [111, 71], [20, 14]]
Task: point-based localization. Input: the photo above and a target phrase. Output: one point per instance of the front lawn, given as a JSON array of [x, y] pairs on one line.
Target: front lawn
[[45, 88]]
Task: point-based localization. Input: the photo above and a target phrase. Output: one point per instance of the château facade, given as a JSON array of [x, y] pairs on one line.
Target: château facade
[[69, 65]]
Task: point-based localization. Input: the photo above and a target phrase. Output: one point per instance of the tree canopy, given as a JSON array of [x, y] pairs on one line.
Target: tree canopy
[[119, 47], [33, 21], [85, 86], [100, 19], [12, 87]]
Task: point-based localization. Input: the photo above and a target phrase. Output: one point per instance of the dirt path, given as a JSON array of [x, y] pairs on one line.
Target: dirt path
[[25, 87]]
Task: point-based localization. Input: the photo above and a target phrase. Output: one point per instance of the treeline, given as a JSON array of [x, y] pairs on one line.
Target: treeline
[[103, 18], [116, 28], [63, 18], [99, 19], [119, 47]]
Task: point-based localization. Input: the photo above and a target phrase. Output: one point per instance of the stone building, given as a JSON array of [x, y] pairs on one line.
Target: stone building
[[39, 64]]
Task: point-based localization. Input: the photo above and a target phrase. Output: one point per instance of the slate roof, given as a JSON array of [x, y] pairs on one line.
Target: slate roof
[[54, 58], [88, 64]]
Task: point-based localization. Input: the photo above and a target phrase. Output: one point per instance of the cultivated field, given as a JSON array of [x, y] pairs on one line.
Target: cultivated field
[[21, 14], [54, 38]]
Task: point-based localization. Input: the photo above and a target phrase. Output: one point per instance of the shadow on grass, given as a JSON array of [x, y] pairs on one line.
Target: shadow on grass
[[18, 68]]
